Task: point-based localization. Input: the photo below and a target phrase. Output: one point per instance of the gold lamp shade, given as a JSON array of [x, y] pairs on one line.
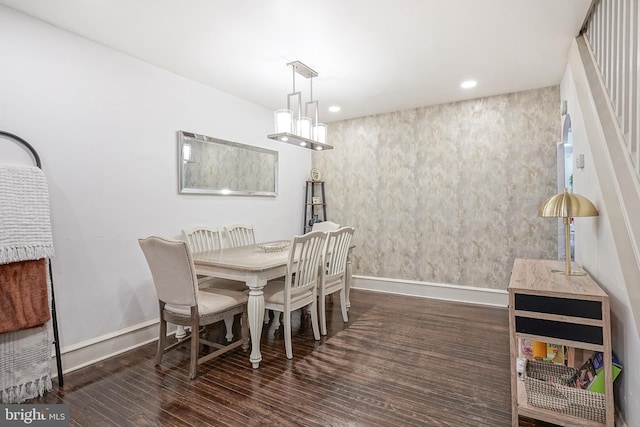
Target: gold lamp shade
[[566, 206]]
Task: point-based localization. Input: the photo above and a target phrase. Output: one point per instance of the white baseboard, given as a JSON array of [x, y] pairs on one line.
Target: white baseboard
[[97, 349], [467, 294]]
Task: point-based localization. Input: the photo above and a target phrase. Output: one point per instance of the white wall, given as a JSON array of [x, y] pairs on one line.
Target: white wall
[[105, 127], [595, 246]]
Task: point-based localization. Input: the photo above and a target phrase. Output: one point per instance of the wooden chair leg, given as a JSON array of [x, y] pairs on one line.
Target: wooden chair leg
[[323, 314], [287, 335], [228, 323], [347, 282], [276, 319], [163, 335], [244, 330], [195, 343], [314, 320], [343, 305], [161, 340]]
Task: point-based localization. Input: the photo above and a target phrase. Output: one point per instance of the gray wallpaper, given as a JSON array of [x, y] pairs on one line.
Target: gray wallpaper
[[447, 193]]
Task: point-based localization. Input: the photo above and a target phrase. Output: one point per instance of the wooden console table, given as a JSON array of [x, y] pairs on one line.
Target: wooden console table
[[572, 311]]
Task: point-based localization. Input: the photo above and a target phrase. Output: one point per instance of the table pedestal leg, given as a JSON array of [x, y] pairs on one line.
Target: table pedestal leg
[[256, 316], [180, 332]]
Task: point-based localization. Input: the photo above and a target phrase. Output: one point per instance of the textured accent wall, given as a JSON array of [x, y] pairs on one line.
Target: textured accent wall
[[447, 193]]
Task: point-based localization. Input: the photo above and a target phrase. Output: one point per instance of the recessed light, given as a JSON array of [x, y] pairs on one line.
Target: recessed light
[[334, 108], [468, 84]]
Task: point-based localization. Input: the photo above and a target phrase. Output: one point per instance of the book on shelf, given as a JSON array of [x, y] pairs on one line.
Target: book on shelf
[[598, 360], [539, 350], [597, 385], [526, 348], [583, 376], [555, 353], [545, 352]]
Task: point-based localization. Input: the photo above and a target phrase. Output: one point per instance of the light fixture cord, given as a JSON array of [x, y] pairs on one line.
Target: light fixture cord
[[311, 94], [293, 77]]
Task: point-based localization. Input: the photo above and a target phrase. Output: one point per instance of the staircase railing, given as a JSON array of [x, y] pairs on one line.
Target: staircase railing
[[608, 50], [611, 31]]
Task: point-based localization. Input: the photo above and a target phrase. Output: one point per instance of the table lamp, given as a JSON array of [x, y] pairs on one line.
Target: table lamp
[[566, 206]]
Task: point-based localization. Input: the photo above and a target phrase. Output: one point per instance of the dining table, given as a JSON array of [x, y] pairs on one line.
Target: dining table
[[255, 265]]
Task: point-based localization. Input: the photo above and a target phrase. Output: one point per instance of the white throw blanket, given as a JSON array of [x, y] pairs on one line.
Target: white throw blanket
[[25, 234], [25, 362], [25, 221]]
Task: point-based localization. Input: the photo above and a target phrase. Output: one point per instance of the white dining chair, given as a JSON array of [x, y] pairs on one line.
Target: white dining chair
[[324, 226], [181, 302], [200, 239], [300, 285], [243, 235], [333, 272], [240, 235]]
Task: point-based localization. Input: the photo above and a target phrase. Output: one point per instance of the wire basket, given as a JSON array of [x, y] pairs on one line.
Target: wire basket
[[547, 386]]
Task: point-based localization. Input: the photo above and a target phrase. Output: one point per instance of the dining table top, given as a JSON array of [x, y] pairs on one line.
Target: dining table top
[[250, 258], [245, 258]]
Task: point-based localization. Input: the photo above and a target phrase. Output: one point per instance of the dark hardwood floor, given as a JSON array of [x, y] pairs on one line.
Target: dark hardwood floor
[[400, 361]]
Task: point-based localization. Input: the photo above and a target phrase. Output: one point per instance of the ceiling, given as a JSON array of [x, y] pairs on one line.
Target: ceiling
[[372, 56]]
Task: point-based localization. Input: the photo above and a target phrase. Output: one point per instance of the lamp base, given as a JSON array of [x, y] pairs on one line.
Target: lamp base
[[571, 273]]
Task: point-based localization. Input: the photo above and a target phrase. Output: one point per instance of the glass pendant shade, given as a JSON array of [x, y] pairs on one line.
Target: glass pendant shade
[[298, 129], [284, 121], [303, 127], [320, 133]]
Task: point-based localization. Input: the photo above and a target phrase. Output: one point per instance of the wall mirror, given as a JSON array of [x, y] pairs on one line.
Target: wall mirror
[[209, 165]]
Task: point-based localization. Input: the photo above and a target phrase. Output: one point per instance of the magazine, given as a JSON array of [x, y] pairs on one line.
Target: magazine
[[584, 376]]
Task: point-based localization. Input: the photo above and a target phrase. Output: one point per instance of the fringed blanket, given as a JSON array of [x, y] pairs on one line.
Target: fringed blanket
[[25, 222], [25, 235], [25, 362], [23, 295]]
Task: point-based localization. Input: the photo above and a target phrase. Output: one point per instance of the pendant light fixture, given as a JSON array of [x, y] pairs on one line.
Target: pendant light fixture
[[297, 129]]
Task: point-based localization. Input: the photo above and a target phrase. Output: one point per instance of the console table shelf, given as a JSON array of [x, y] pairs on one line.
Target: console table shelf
[[567, 310]]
